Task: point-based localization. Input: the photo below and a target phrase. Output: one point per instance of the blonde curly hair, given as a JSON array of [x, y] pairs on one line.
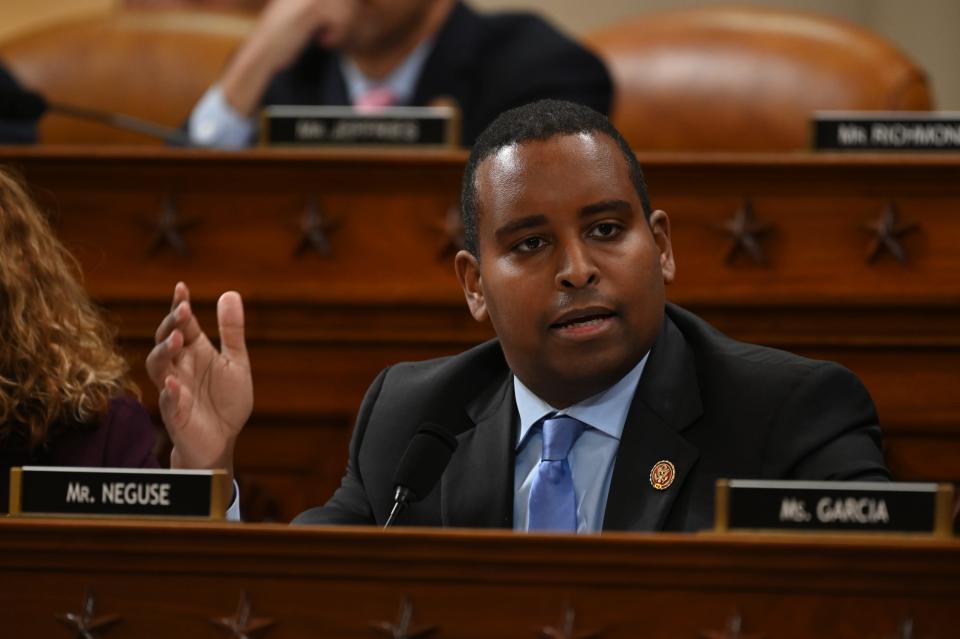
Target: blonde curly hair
[[59, 363]]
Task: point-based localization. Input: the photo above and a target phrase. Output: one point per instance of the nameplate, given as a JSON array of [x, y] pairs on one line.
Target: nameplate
[[920, 508], [879, 131], [437, 126], [118, 492]]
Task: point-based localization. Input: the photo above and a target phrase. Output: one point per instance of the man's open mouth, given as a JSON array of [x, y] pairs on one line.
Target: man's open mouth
[[583, 320]]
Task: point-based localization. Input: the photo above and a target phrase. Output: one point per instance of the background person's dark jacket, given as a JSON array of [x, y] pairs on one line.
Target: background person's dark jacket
[[14, 129]]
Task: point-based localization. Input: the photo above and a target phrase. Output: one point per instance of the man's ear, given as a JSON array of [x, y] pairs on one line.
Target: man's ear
[[468, 272], [660, 227]]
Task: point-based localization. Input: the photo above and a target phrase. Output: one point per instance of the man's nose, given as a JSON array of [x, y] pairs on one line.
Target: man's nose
[[576, 269]]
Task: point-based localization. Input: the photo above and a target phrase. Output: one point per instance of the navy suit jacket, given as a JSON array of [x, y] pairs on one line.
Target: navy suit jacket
[[485, 63], [14, 128], [715, 407]]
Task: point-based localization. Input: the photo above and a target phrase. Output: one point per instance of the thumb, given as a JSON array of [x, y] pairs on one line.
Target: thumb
[[230, 322]]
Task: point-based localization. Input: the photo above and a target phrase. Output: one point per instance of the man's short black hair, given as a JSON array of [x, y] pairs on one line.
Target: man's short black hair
[[538, 121]]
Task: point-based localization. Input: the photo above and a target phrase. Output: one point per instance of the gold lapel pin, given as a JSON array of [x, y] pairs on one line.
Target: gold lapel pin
[[662, 474]]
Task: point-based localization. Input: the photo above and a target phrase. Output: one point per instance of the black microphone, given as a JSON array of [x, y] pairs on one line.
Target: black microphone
[[425, 459], [20, 104]]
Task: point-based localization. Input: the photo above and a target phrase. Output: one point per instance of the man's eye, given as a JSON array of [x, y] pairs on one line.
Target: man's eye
[[606, 230], [530, 244]]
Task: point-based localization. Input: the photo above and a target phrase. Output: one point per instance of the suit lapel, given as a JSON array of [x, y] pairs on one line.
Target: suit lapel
[[666, 402], [331, 85], [477, 487]]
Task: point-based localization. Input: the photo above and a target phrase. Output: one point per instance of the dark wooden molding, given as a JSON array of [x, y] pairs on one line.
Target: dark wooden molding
[[330, 580], [733, 629]]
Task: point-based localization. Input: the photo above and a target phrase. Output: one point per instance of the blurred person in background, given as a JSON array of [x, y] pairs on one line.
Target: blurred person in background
[[17, 124], [376, 53]]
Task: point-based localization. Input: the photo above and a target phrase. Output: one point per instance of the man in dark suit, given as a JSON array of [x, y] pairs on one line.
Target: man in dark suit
[[599, 406], [396, 52], [18, 121]]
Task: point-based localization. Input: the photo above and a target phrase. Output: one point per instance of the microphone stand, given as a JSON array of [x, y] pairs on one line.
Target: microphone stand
[[400, 501], [125, 122]]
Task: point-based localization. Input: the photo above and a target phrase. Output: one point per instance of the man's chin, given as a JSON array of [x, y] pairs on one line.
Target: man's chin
[[332, 38], [580, 379]]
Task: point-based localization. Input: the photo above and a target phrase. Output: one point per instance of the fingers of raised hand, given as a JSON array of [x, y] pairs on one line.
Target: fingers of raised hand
[[171, 321], [231, 325], [181, 293], [162, 358], [175, 404], [179, 310], [181, 318]]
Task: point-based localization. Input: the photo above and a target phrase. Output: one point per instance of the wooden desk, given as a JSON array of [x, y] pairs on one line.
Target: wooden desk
[[321, 326], [169, 580]]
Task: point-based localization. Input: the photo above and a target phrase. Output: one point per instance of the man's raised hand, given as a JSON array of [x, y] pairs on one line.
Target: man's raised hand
[[206, 395]]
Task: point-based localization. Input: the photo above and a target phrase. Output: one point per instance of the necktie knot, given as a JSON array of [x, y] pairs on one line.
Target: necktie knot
[[559, 436], [375, 99]]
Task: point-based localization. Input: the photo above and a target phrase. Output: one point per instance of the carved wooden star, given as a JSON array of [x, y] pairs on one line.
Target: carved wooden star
[[85, 624], [169, 227], [401, 629], [451, 229], [314, 231], [732, 630], [566, 630], [746, 234], [887, 234], [242, 625]]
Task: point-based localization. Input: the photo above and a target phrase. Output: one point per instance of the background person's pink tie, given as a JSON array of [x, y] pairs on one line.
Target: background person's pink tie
[[375, 99]]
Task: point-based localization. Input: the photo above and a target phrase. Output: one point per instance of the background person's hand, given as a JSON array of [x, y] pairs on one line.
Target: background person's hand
[[206, 395], [282, 31]]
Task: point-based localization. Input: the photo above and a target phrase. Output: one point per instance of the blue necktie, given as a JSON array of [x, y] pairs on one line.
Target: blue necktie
[[553, 504]]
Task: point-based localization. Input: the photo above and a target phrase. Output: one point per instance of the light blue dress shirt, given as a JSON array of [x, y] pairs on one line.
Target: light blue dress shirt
[[402, 81], [593, 455], [214, 123]]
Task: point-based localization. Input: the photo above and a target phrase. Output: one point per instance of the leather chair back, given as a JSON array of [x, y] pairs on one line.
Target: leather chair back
[[152, 64], [747, 78]]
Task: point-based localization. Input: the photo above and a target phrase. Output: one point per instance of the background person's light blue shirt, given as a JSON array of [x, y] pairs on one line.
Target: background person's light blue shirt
[[215, 123], [593, 455], [402, 81]]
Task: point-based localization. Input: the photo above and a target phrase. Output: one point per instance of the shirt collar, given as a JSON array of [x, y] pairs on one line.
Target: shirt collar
[[402, 81], [606, 411]]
